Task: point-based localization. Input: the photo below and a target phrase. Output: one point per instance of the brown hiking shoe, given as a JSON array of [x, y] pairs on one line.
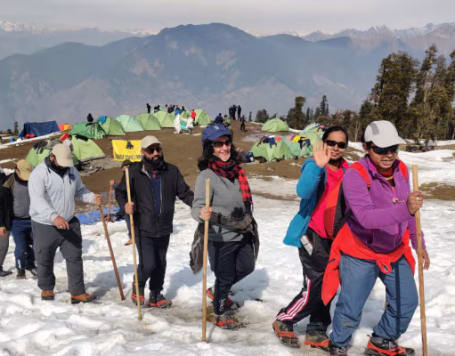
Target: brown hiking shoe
[[129, 242], [47, 294], [286, 334], [84, 298], [317, 339]]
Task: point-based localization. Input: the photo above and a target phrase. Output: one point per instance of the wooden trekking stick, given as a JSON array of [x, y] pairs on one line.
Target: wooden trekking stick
[[204, 264], [109, 199], [106, 233], [138, 294], [423, 320]]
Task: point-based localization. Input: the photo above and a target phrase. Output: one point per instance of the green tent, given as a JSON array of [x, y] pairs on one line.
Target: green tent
[[165, 119], [275, 125], [271, 152], [111, 126], [41, 150], [88, 130], [313, 133], [129, 123], [86, 150], [294, 147], [148, 121], [202, 118]]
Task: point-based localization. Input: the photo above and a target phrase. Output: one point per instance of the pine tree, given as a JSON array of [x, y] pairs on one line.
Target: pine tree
[[262, 116], [296, 118], [392, 90]]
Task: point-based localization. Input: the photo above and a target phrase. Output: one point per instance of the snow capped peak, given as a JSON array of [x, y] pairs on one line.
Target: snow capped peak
[[8, 26]]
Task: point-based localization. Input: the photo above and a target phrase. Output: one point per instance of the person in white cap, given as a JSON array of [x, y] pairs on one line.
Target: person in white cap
[[15, 218], [53, 186], [155, 185], [374, 243]]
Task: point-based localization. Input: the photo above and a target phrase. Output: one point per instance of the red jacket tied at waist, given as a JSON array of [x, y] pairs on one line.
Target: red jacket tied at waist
[[346, 242]]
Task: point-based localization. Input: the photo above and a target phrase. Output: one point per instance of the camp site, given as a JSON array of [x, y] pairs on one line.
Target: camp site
[[227, 178]]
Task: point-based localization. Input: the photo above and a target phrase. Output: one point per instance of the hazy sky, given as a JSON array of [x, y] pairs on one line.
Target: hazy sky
[[254, 16]]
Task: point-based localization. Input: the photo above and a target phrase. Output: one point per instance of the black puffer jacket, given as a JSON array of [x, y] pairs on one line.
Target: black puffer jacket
[[147, 220]]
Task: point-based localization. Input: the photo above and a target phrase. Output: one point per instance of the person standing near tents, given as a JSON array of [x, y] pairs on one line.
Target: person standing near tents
[[53, 186], [149, 108], [190, 124], [90, 118], [374, 243], [15, 217], [239, 111], [155, 185], [242, 123], [232, 234], [306, 231], [177, 125]]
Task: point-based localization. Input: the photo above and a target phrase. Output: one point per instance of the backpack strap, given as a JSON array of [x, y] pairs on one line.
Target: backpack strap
[[403, 169], [363, 172]]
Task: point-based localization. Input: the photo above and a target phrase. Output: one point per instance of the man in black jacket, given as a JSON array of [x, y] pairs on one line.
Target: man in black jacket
[[154, 184]]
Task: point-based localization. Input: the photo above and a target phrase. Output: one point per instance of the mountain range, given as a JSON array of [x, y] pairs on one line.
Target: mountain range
[[209, 66]]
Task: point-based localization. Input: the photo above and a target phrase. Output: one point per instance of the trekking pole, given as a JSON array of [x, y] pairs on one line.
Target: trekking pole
[[106, 233], [138, 294], [109, 199], [204, 264], [423, 321]]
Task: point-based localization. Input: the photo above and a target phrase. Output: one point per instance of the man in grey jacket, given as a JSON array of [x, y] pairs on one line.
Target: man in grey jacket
[[53, 186]]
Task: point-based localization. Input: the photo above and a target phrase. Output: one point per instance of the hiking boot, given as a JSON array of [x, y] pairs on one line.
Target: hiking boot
[[84, 298], [20, 273], [226, 321], [134, 295], [338, 350], [4, 273], [380, 346], [229, 304], [129, 242], [286, 334], [317, 339], [33, 271], [157, 300], [47, 294]]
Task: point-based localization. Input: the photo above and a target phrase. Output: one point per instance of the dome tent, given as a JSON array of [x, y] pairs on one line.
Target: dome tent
[[129, 123], [271, 148], [275, 125], [88, 130], [86, 149], [148, 121], [202, 118], [165, 119], [111, 126]]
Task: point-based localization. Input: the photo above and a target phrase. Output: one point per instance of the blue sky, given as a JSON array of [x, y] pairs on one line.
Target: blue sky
[[254, 16]]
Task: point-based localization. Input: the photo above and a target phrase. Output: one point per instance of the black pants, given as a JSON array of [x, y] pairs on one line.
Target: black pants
[[47, 238], [231, 262], [308, 301], [152, 261]]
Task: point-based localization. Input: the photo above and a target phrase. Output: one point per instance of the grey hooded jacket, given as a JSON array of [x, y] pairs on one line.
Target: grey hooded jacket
[[52, 195]]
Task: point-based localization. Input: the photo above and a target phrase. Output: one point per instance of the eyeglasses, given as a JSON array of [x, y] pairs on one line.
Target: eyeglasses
[[219, 144], [331, 143], [385, 150], [152, 148]]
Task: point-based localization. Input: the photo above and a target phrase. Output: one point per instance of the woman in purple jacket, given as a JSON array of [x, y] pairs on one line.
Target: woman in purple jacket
[[382, 214]]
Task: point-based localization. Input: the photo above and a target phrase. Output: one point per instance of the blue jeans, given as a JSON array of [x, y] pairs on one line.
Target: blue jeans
[[357, 280], [21, 229]]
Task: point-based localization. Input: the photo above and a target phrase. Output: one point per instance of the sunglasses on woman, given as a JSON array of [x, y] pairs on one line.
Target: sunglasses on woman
[[331, 143], [219, 144], [385, 150]]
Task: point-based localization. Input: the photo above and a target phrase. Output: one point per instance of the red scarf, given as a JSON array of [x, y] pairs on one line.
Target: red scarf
[[232, 170]]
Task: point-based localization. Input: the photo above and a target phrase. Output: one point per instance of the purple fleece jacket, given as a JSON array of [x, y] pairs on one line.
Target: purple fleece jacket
[[379, 215]]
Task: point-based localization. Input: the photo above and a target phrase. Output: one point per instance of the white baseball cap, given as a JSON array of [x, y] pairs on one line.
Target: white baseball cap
[[383, 134], [63, 155], [149, 140]]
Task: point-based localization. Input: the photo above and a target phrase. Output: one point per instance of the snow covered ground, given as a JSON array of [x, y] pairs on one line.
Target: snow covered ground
[[29, 326]]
